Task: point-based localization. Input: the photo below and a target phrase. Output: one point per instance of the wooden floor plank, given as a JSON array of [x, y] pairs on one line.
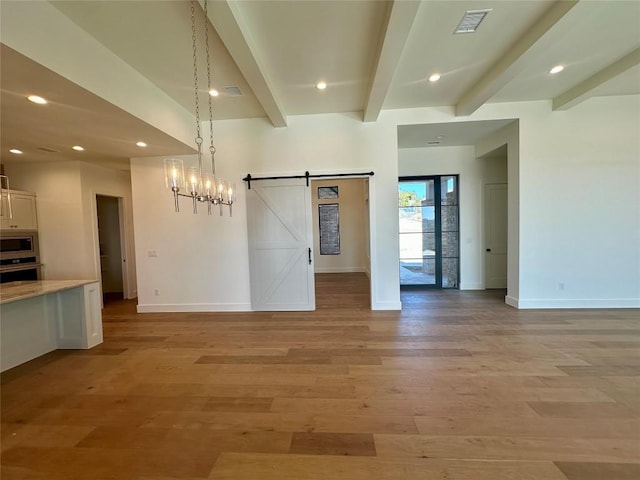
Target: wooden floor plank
[[456, 386], [599, 471], [319, 467]]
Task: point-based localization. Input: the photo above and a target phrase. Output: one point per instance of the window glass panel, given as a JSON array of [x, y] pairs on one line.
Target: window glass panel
[[449, 273], [448, 190], [450, 244], [417, 219], [449, 216], [329, 229], [417, 245], [418, 271]]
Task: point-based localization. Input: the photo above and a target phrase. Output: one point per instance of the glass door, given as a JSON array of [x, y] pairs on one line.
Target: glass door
[[417, 218], [428, 226]]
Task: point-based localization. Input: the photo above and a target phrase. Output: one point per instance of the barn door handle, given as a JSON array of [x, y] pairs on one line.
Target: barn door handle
[[309, 256]]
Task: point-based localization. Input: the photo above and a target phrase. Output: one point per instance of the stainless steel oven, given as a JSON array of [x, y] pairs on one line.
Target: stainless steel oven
[[19, 256]]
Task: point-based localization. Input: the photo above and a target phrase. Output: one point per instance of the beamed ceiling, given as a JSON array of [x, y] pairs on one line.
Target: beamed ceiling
[[373, 55]]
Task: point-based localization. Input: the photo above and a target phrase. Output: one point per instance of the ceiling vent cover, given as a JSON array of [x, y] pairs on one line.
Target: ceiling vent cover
[[233, 91], [471, 20], [48, 150]]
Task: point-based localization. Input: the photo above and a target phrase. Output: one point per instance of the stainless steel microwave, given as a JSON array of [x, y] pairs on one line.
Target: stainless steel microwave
[[18, 244]]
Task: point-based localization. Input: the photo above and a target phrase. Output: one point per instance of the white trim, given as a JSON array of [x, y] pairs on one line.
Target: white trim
[[579, 303], [573, 303], [511, 301], [472, 286], [193, 307], [386, 306], [341, 270]]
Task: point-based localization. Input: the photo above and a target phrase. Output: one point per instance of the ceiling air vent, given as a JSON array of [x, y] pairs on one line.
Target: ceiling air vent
[[435, 142], [232, 91], [471, 20], [48, 150]]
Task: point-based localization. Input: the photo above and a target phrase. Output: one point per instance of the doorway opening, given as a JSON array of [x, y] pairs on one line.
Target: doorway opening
[[341, 258], [429, 231], [110, 247]]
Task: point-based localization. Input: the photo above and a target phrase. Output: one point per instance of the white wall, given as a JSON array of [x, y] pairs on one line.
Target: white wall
[[351, 204], [580, 205], [59, 212], [202, 263], [67, 221], [560, 164]]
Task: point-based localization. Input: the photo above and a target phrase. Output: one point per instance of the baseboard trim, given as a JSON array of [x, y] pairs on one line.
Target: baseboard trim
[[386, 306], [471, 286], [573, 303], [511, 301], [341, 270], [193, 307]]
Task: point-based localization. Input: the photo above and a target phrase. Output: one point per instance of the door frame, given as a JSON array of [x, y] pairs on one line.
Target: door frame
[[124, 242], [370, 206], [438, 229]]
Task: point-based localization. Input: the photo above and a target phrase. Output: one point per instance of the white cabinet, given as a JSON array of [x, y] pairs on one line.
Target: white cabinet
[[23, 207]]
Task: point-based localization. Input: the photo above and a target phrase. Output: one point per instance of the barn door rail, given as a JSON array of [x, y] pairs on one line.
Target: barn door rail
[[306, 175]]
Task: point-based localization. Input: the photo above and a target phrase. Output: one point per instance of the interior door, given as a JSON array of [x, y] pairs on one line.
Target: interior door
[[280, 241], [495, 207]]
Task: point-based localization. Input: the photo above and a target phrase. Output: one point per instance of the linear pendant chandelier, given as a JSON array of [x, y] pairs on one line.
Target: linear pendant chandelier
[[201, 187]]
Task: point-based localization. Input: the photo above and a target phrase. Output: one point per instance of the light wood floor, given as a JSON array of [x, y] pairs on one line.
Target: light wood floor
[[456, 386]]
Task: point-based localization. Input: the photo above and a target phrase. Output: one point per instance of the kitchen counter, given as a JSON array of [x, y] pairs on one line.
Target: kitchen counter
[[38, 317], [12, 291]]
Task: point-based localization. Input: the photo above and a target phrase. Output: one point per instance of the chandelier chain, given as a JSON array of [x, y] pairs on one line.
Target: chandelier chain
[[195, 72], [212, 148]]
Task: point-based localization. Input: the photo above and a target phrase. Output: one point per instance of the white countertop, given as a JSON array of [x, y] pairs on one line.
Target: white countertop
[[13, 291]]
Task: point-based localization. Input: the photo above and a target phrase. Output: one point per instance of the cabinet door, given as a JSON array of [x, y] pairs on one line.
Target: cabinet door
[[23, 207]]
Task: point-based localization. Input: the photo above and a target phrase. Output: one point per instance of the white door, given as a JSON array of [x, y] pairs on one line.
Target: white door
[[280, 241], [495, 228]]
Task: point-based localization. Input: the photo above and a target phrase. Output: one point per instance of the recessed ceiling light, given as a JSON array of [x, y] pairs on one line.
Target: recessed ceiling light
[[16, 151], [434, 78], [439, 136], [141, 144], [321, 85], [78, 148], [213, 92], [556, 69], [36, 99]]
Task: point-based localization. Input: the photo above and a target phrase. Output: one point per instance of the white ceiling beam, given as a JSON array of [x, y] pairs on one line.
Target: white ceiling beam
[[226, 18], [400, 17], [510, 63], [583, 90]]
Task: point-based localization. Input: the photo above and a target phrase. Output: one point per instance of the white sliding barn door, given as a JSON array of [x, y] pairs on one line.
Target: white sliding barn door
[[280, 238]]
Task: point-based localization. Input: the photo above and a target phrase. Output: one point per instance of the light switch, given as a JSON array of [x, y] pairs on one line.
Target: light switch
[[152, 253]]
